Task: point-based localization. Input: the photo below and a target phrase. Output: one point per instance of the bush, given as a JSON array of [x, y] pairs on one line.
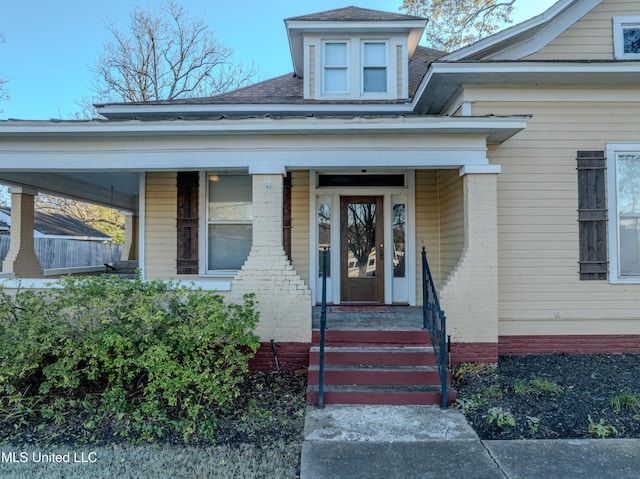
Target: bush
[[147, 354]]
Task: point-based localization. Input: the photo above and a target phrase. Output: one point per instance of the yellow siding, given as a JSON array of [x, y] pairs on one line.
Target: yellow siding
[[539, 285], [300, 223], [591, 38], [160, 225], [427, 229], [451, 203]]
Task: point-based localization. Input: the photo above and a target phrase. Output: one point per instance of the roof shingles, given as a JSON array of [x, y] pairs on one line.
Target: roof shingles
[[354, 14]]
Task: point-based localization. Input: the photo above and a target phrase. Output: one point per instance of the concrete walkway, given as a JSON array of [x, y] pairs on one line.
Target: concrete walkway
[[427, 442]]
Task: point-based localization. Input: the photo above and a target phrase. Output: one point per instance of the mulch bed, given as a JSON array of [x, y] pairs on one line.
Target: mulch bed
[[589, 384]]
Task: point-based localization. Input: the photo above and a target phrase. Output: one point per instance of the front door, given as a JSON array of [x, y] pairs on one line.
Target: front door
[[361, 249]]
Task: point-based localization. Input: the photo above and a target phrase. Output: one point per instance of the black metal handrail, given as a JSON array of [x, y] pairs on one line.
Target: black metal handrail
[[434, 320], [323, 326]]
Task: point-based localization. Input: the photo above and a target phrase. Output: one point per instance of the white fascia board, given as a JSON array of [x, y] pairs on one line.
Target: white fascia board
[[540, 26], [534, 67], [262, 126], [114, 111]]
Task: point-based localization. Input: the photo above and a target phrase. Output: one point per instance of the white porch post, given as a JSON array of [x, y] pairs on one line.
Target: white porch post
[[470, 295], [284, 300], [21, 258]]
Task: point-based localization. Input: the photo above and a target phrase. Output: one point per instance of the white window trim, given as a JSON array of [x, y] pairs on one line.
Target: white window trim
[[346, 68], [619, 23], [613, 150], [377, 94], [203, 236]]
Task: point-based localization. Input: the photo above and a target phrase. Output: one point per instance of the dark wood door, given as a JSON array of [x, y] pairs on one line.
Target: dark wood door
[[361, 249]]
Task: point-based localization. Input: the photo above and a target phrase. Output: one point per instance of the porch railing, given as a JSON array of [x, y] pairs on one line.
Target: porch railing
[[434, 320], [323, 326]]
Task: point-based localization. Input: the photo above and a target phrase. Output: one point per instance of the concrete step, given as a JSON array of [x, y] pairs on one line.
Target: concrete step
[[374, 355], [417, 337], [380, 395], [378, 375]]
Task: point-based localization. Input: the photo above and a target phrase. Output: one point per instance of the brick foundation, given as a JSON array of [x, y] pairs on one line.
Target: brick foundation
[[291, 356], [474, 353], [602, 344]]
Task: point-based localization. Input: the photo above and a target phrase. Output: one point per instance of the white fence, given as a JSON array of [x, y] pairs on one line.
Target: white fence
[[62, 253]]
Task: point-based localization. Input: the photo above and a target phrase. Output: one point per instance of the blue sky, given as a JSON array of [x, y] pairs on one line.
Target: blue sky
[[50, 45]]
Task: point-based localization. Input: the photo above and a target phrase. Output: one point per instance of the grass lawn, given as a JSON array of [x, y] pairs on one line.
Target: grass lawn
[[127, 461]]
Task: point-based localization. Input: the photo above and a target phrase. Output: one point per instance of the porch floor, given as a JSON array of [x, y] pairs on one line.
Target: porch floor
[[370, 318]]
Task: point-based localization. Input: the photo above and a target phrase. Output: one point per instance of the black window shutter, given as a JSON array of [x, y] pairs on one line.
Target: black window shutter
[[592, 215], [187, 222]]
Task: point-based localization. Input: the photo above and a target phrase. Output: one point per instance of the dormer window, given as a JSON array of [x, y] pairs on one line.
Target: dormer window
[[626, 37], [336, 68], [374, 68]]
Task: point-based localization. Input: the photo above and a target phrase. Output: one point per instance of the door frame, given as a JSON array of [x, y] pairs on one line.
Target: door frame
[[331, 196], [349, 286]]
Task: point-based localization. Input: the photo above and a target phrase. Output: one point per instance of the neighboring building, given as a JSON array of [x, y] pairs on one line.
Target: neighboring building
[[56, 226], [514, 161]]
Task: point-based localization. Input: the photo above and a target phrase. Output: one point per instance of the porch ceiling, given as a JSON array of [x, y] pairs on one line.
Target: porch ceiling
[[113, 189]]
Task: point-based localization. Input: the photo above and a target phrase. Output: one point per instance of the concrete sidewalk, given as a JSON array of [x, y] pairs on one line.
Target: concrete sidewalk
[[426, 442]]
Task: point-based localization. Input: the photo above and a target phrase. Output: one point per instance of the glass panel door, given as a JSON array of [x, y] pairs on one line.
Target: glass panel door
[[362, 249]]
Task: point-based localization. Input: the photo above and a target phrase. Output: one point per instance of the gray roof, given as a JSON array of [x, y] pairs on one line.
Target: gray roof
[[54, 224], [288, 89], [354, 14]]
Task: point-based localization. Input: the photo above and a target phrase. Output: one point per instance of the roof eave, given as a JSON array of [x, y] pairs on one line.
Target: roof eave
[[496, 129], [527, 37], [445, 79]]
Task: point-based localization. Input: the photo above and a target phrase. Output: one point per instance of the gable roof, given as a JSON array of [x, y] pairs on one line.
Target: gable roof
[[353, 14], [58, 225], [525, 38]]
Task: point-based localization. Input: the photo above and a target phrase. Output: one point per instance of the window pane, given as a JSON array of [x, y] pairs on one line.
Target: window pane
[[229, 246], [335, 54], [399, 224], [374, 54], [230, 198], [375, 79], [631, 39], [628, 173], [324, 236], [335, 80]]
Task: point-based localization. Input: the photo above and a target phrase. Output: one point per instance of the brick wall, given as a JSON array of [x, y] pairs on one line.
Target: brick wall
[[284, 300]]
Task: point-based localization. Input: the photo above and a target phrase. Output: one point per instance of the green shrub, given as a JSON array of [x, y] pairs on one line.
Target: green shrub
[[158, 354]]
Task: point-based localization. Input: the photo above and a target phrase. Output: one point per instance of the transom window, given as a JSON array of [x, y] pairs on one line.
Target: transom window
[[229, 221], [374, 67], [626, 37], [336, 70]]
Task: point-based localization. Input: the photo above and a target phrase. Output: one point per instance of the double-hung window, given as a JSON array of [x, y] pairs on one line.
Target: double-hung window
[[229, 221], [374, 67], [336, 69], [626, 37], [624, 214]]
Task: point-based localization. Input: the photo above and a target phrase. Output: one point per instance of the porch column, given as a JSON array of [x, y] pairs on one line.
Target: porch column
[[284, 300], [130, 246], [21, 258], [470, 295]]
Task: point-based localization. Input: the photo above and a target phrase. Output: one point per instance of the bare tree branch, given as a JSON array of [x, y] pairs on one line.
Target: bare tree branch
[[4, 94], [456, 23], [163, 55]]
